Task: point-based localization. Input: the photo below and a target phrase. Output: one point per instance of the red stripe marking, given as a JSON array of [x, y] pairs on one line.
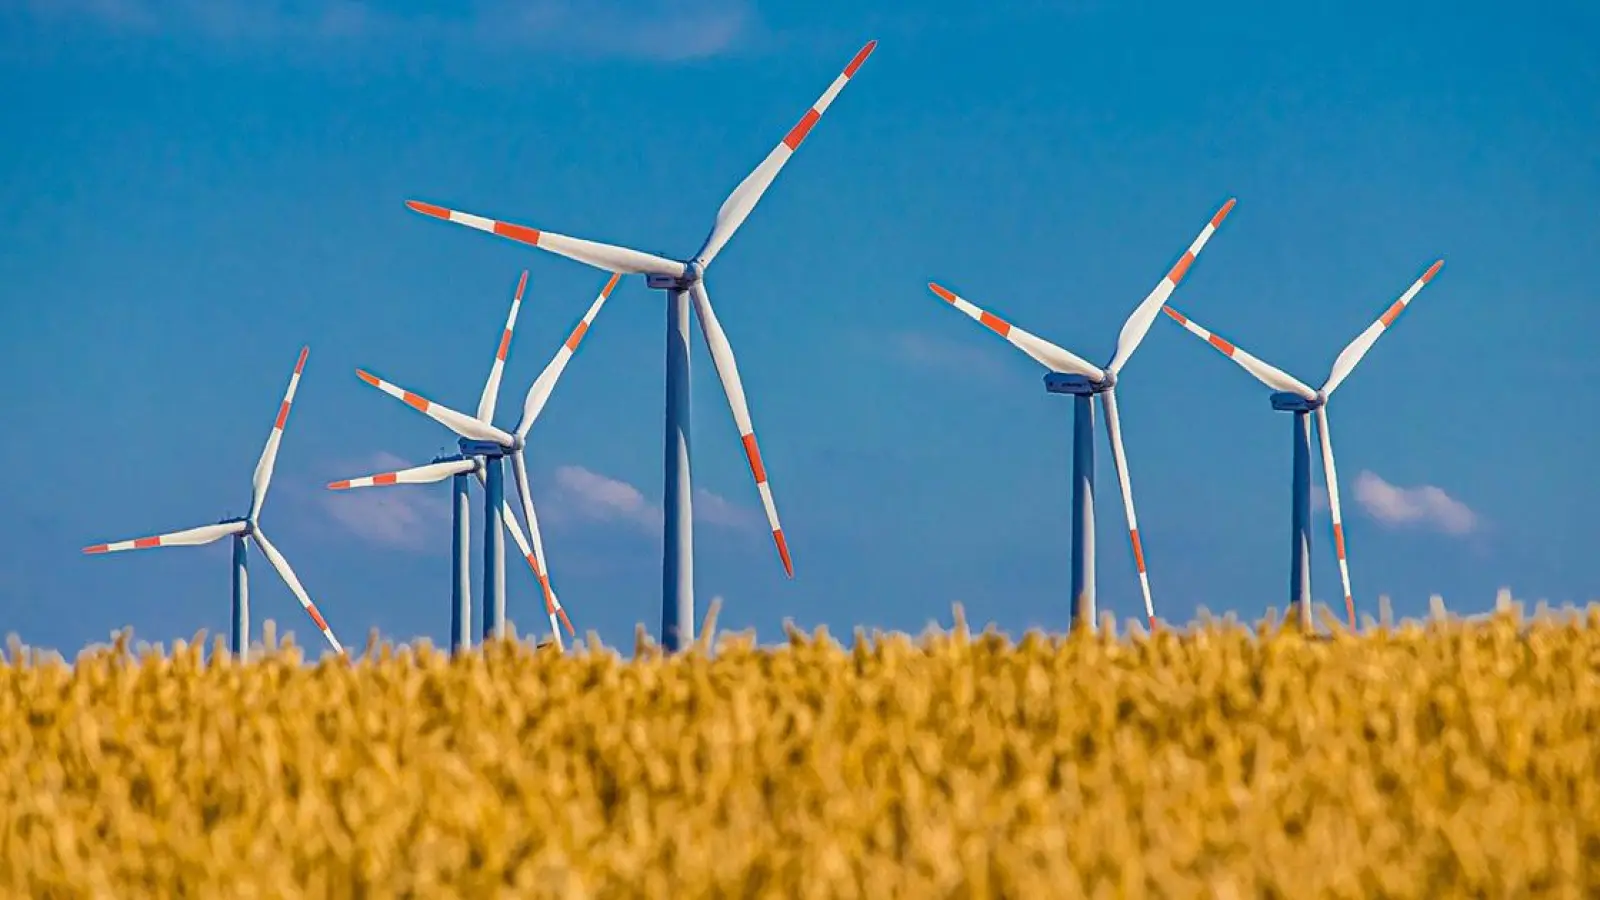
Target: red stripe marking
[[753, 453], [1177, 316], [615, 277], [860, 57], [143, 543], [317, 617], [783, 551], [521, 284], [1138, 548], [1338, 538], [1181, 269], [367, 377], [505, 344], [1350, 610], [1392, 313], [386, 478], [549, 596], [1222, 213], [566, 621], [533, 563], [300, 364], [518, 233], [414, 401], [283, 415], [576, 337], [428, 209], [1432, 271], [97, 548], [801, 129], [944, 295], [998, 325], [1221, 344], [338, 485]]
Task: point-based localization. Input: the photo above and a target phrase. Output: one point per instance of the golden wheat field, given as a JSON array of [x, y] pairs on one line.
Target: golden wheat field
[[1434, 759]]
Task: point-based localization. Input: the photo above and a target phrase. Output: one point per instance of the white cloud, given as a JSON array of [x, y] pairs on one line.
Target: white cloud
[[648, 29], [584, 494], [403, 517], [931, 352], [1423, 506]]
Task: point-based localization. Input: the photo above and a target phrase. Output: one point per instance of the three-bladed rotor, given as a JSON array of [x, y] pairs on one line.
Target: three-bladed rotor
[[1316, 400]]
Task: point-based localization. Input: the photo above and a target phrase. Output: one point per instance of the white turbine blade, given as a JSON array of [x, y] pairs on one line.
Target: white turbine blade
[[1138, 324], [1346, 362], [491, 388], [1043, 352], [1266, 373], [519, 468], [191, 537], [427, 474], [1120, 458], [1332, 476], [539, 393], [460, 423], [737, 207], [269, 453], [287, 574], [728, 372], [531, 556], [602, 256]]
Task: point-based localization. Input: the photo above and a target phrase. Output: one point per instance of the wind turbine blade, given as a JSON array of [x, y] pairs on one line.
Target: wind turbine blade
[[460, 423], [1266, 373], [281, 565], [1346, 362], [1138, 324], [1043, 352], [737, 207], [1120, 458], [491, 388], [531, 556], [519, 467], [728, 372], [539, 392], [602, 256], [1332, 476], [427, 474], [191, 537], [269, 454]]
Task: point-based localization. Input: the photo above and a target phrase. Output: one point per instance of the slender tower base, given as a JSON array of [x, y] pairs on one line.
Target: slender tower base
[[1083, 583], [1300, 505], [239, 639], [1300, 561], [460, 572], [494, 549], [677, 563]]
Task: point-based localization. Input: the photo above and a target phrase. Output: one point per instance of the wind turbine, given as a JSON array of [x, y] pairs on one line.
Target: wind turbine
[[1293, 395], [482, 446], [241, 530], [1071, 374], [683, 280]]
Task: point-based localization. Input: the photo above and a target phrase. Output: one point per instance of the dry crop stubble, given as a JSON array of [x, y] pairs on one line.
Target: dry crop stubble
[[1444, 759]]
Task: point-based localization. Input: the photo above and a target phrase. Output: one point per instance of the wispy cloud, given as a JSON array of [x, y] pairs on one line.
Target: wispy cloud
[[584, 494], [1424, 506], [398, 517], [647, 29], [928, 351]]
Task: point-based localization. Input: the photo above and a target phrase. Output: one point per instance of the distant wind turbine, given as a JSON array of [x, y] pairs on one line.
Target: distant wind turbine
[[482, 447], [683, 280], [1293, 395], [242, 529], [1072, 374]]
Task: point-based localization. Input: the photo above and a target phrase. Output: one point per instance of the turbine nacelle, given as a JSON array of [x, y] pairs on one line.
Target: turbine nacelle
[[1289, 401], [489, 449], [1078, 385], [693, 274]]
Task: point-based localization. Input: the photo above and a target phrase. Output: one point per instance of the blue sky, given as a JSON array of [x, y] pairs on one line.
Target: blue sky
[[197, 189]]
